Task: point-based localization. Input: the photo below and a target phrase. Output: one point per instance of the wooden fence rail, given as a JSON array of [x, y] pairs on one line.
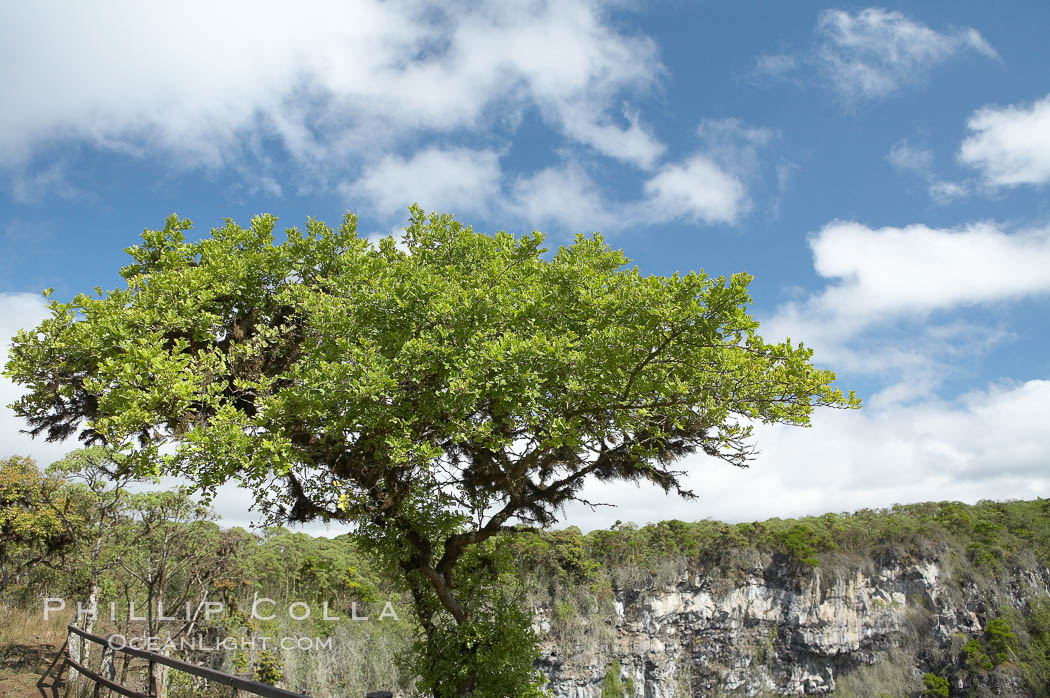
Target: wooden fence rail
[[255, 688]]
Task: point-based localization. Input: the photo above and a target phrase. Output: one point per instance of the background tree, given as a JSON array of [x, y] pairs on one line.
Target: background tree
[[96, 487], [94, 484], [31, 531], [172, 559], [434, 397], [169, 566]]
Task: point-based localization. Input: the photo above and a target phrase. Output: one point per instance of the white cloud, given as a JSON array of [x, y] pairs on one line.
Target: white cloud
[[873, 52], [708, 186], [458, 180], [890, 306], [566, 197], [889, 272], [989, 444], [1010, 145], [919, 269], [697, 189], [634, 144], [906, 157], [201, 80]]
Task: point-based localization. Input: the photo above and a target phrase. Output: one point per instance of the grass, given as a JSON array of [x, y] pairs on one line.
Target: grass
[[28, 643], [891, 676], [26, 626]]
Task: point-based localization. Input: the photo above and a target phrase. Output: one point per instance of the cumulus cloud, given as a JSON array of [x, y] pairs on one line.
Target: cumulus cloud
[[457, 180], [710, 185], [200, 80], [1010, 145], [566, 197], [991, 443], [634, 143], [878, 274], [697, 189]]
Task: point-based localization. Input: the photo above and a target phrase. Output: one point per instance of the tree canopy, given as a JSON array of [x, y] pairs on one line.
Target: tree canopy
[[433, 394], [29, 530]]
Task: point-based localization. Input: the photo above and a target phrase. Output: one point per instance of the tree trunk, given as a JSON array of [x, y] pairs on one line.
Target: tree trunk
[[89, 619], [440, 584], [125, 667], [79, 648], [106, 667], [76, 681], [160, 678]]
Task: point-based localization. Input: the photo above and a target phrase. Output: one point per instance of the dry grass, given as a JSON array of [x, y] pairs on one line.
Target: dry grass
[[894, 674], [26, 626], [28, 643]]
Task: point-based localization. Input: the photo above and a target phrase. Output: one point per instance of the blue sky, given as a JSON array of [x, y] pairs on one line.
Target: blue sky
[[883, 172]]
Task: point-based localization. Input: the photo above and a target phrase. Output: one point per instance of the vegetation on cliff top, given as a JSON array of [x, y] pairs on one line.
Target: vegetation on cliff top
[[985, 538], [979, 546], [573, 576]]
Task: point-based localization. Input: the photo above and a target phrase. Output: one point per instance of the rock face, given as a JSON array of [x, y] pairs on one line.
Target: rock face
[[782, 629]]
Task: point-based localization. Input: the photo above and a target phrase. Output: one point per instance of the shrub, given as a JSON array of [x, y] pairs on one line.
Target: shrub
[[976, 658], [1002, 641], [800, 542], [612, 686], [268, 668], [934, 686]]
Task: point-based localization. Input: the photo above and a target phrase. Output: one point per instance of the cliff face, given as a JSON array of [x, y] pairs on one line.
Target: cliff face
[[781, 628]]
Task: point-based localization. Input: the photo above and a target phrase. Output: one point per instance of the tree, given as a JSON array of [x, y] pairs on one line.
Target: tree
[[95, 486], [434, 396], [170, 566], [30, 530]]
